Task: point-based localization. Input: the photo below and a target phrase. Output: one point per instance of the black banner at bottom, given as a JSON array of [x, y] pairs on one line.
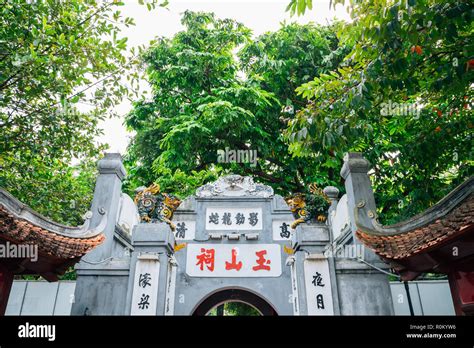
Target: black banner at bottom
[[242, 331]]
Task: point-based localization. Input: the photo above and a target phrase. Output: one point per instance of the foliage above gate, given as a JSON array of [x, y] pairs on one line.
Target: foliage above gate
[[214, 87]]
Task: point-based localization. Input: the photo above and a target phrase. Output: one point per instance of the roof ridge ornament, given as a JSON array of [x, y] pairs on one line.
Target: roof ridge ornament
[[234, 186]]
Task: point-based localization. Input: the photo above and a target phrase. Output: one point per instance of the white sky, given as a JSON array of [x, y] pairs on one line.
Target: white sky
[[259, 15]]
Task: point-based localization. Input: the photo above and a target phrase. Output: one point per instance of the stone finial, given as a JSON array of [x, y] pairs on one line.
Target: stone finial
[[332, 192], [359, 189], [333, 195], [354, 162], [112, 164]]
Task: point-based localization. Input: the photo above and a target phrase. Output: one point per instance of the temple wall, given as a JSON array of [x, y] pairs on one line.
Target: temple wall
[[429, 297]]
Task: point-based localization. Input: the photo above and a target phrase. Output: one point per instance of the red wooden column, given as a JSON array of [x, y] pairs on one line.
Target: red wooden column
[[462, 291], [6, 279]]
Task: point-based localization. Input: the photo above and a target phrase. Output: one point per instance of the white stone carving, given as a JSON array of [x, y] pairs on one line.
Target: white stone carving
[[234, 186], [128, 213], [341, 221]]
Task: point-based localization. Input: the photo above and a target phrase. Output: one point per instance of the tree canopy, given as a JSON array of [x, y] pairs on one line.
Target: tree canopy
[[402, 96], [214, 87], [55, 56], [395, 84], [391, 84]]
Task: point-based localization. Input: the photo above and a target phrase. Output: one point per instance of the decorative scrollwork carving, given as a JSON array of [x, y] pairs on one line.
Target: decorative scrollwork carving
[[234, 186]]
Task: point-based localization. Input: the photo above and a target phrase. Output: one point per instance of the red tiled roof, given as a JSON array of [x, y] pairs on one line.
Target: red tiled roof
[[21, 231], [406, 244]]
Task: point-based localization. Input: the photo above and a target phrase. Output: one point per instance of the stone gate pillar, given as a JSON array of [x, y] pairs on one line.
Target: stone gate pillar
[[363, 286], [102, 275], [312, 273], [152, 278]]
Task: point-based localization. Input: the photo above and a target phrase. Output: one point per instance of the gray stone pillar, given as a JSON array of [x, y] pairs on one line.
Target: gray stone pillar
[[153, 241], [363, 286], [102, 274], [106, 200], [360, 196]]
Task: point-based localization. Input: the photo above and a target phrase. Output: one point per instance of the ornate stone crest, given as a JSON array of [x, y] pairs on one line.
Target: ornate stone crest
[[234, 186]]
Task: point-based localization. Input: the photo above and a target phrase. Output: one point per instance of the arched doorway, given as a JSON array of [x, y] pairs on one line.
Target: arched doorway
[[234, 295]]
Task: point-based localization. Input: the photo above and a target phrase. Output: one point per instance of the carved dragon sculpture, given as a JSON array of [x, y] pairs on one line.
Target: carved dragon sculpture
[[155, 206], [308, 206]]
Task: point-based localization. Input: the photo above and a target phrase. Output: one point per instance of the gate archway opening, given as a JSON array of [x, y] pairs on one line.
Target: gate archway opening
[[234, 295], [234, 308]]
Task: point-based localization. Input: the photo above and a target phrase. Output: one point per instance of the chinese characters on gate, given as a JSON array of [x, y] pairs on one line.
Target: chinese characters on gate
[[143, 282], [285, 231], [318, 281], [145, 287], [234, 219], [181, 230], [207, 259], [281, 230], [240, 219], [185, 230], [230, 260], [318, 286]]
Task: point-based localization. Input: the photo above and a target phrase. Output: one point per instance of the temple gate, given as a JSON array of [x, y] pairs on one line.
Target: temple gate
[[232, 241]]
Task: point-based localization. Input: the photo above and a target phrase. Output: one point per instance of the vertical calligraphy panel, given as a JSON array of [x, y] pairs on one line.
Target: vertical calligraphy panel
[[318, 286], [145, 286]]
